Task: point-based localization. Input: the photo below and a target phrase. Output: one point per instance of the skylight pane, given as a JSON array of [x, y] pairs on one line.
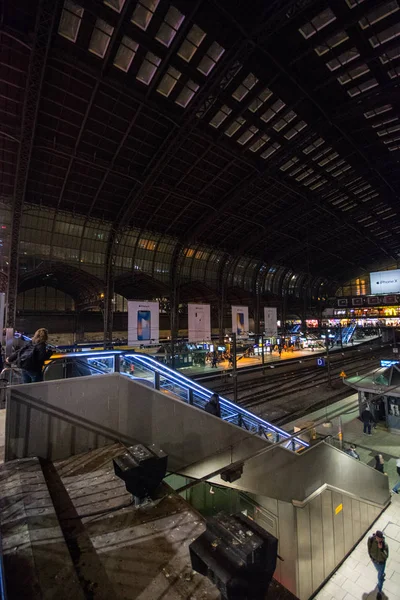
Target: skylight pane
[[273, 110], [187, 93], [281, 124], [353, 74], [343, 59], [332, 42], [71, 18], [169, 28], [191, 43], [115, 4], [317, 23], [295, 130], [210, 58], [376, 15], [125, 54], [289, 163], [393, 73], [245, 87], [259, 101], [313, 146], [233, 127], [362, 87], [389, 55], [354, 3], [148, 68], [168, 82], [270, 150], [247, 135], [144, 12], [377, 111], [100, 39], [220, 117], [385, 36], [258, 144]]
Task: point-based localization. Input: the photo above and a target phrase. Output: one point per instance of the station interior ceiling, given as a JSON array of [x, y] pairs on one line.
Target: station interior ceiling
[[268, 130]]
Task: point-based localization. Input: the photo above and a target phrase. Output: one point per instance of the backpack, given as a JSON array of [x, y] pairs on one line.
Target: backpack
[[26, 358]]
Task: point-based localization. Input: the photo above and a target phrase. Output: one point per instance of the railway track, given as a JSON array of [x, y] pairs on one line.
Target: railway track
[[283, 396]]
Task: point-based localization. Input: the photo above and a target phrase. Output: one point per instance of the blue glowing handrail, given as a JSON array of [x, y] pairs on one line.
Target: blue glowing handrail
[[163, 369], [181, 380]]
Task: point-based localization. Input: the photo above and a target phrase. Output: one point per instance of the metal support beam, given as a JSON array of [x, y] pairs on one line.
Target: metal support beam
[[109, 291], [175, 279], [45, 19]]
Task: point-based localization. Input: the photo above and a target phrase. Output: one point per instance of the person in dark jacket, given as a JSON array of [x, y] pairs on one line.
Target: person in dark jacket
[[378, 551], [379, 463], [367, 419], [352, 452], [32, 357], [213, 407]]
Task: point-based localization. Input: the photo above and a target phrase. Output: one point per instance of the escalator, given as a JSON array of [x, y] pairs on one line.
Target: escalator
[[144, 369]]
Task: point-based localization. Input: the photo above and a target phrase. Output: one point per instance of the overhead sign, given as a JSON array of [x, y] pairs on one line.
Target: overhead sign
[[389, 363], [143, 323], [385, 282], [320, 362], [240, 319]]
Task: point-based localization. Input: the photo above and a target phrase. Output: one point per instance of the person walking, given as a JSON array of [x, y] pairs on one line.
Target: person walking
[[31, 357], [379, 463], [351, 451], [213, 406], [378, 551], [367, 419], [396, 488]]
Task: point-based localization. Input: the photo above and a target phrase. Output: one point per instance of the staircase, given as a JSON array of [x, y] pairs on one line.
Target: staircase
[[53, 549]]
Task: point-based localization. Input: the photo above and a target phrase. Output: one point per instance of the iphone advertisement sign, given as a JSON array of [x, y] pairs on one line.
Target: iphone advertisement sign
[[143, 322], [240, 320], [199, 322], [385, 282]]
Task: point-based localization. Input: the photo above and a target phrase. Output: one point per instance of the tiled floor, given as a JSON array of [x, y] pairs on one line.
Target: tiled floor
[[356, 579]]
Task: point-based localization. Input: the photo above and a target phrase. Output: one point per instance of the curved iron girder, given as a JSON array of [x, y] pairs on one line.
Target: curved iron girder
[[45, 20]]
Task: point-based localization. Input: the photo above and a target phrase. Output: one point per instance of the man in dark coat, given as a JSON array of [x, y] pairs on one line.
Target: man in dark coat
[[213, 407]]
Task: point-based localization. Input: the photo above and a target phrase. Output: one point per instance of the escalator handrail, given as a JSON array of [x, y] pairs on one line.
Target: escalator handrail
[[182, 380]]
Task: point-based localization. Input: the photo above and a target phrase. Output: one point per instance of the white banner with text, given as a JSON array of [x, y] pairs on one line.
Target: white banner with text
[[270, 322], [199, 322]]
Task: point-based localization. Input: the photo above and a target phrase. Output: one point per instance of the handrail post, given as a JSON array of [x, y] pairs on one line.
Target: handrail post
[[156, 380], [117, 363]]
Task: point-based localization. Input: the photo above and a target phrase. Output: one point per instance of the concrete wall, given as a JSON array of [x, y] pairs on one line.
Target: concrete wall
[[191, 436], [185, 433]]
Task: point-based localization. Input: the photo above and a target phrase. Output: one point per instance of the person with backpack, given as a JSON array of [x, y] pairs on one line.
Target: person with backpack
[[31, 357]]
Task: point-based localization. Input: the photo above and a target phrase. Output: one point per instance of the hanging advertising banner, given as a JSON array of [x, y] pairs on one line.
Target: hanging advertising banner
[[143, 323], [199, 322], [240, 320], [270, 322]]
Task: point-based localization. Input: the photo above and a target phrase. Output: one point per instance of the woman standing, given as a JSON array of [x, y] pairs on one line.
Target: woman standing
[[32, 357]]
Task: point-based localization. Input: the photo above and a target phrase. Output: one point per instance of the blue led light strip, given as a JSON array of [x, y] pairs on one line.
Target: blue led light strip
[[163, 369]]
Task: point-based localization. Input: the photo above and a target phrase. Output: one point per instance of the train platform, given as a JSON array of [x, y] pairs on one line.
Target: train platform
[[356, 577], [269, 359]]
